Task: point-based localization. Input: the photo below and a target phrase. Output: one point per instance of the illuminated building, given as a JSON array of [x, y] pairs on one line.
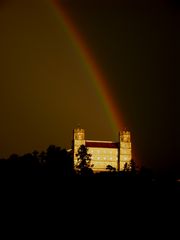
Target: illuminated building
[[104, 153]]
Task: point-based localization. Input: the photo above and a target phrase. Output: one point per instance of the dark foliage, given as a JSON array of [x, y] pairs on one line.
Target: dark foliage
[[54, 162]]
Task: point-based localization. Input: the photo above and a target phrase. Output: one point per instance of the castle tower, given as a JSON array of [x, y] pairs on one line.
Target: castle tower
[[78, 140], [125, 154]]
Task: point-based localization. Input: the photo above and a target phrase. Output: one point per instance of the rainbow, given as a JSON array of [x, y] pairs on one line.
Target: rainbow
[[100, 82]]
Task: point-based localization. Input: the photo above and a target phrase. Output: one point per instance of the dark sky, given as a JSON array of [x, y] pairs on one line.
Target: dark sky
[[46, 89]]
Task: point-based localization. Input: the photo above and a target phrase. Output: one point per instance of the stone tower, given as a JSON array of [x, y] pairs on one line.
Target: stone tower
[[125, 153], [78, 140]]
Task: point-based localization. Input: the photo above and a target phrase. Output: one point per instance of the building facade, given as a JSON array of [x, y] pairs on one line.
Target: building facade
[[104, 153]]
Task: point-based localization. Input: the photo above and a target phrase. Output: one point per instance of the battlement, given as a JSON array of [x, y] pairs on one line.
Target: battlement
[[79, 130], [79, 134], [125, 136], [125, 132]]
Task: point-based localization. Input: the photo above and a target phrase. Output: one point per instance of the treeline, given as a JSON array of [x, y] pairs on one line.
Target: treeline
[[54, 162]]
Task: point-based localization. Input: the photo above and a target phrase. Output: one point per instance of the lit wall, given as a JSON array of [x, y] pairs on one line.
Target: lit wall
[[101, 157]]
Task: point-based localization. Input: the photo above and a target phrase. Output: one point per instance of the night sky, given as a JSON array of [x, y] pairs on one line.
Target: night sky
[[46, 89]]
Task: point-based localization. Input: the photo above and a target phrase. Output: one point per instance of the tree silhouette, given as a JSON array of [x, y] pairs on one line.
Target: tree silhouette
[[84, 161], [132, 166], [59, 161], [42, 158], [110, 168], [126, 167]]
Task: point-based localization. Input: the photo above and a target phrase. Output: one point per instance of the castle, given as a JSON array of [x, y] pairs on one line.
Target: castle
[[104, 153]]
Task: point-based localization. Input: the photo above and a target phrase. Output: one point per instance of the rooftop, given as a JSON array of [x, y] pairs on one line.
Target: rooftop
[[102, 144]]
